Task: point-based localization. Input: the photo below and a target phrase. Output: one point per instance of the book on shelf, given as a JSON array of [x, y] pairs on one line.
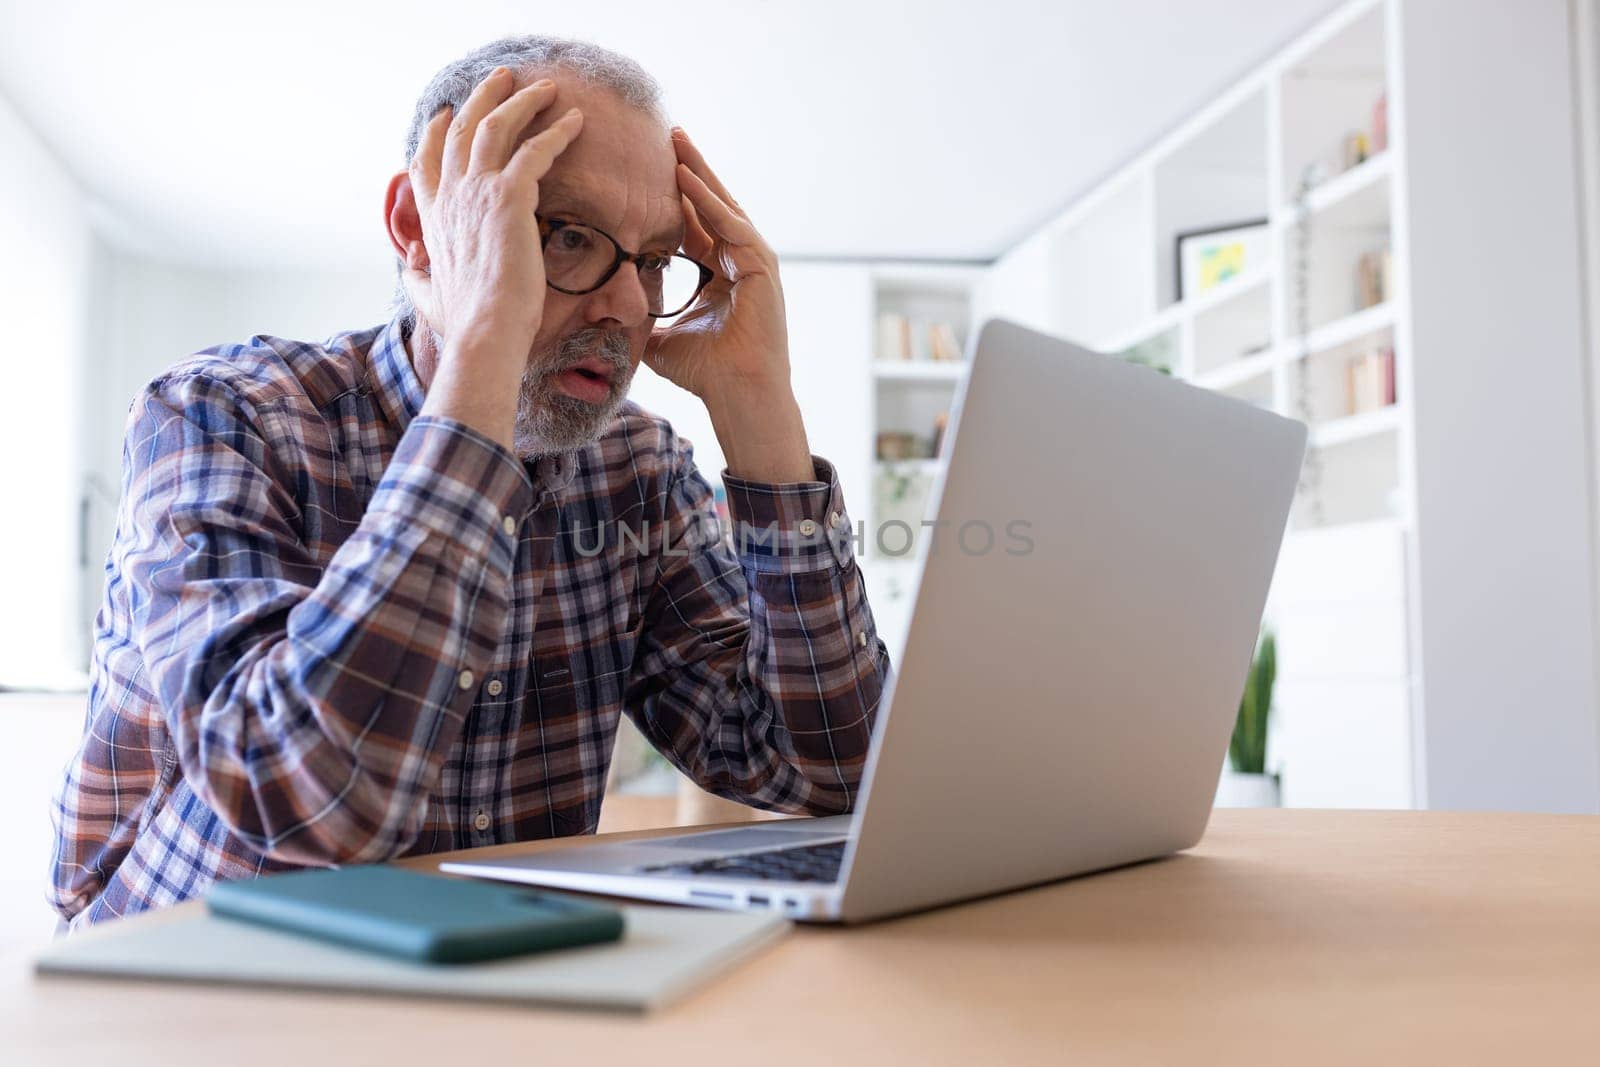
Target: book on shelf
[[1369, 381], [1374, 274], [900, 340], [942, 344], [894, 338]]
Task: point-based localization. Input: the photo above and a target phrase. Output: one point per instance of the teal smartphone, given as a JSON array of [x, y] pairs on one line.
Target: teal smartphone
[[413, 916]]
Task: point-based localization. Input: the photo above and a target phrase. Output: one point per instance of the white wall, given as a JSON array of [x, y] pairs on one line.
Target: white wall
[[44, 285]]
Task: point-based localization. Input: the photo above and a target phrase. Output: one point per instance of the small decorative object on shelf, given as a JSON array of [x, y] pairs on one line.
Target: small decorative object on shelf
[[1356, 149], [1380, 123], [899, 445], [941, 422], [1250, 785], [1208, 257]]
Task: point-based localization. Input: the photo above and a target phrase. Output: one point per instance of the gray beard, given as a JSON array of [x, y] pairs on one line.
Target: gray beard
[[550, 421]]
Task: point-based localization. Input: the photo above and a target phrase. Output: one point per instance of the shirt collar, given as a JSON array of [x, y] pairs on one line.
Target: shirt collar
[[400, 395], [394, 380], [552, 473]]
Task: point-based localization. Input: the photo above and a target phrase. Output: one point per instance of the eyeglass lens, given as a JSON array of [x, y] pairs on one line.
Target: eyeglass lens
[[577, 258]]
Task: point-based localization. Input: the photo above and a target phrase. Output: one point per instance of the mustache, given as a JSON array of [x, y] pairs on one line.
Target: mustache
[[610, 347]]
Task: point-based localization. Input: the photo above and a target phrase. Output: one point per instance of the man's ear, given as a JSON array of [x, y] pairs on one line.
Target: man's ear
[[404, 223]]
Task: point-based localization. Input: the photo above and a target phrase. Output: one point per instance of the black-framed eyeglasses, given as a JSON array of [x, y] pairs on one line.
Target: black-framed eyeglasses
[[579, 259]]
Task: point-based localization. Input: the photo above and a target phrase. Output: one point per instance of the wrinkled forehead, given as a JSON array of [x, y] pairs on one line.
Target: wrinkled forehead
[[620, 174]]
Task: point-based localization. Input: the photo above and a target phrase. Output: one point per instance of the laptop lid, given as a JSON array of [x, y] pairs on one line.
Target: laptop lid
[[1088, 607]]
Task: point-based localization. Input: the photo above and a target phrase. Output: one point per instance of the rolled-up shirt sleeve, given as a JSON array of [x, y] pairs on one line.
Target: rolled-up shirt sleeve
[[311, 707], [760, 670]]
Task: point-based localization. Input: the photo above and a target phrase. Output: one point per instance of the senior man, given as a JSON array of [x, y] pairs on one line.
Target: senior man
[[388, 594]]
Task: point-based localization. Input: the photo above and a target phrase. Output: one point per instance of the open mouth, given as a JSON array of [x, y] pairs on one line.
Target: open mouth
[[589, 381]]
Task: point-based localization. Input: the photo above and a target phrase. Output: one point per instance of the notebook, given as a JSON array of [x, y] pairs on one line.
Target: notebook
[[664, 954]]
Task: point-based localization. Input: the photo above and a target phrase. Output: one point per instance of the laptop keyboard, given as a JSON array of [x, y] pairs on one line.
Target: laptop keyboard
[[807, 863]]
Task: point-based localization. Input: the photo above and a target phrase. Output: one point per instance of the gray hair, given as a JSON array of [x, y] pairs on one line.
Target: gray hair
[[589, 63]]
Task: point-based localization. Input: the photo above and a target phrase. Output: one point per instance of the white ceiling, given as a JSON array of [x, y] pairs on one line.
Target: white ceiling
[[263, 134]]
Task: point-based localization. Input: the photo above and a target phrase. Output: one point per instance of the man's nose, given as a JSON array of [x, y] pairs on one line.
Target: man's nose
[[622, 298]]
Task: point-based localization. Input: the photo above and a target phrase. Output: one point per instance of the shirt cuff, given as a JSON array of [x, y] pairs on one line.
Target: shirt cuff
[[459, 483], [792, 527]]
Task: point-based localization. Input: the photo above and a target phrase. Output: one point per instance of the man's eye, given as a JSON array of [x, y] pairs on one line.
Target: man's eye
[[655, 264], [571, 240]]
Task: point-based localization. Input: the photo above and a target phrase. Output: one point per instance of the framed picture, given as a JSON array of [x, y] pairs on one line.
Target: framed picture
[[1207, 258]]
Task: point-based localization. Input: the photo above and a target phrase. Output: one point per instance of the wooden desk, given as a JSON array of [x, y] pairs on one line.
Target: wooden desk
[[1287, 937]]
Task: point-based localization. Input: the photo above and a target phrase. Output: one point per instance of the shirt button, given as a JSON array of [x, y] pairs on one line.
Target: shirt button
[[480, 822], [807, 528], [509, 525], [494, 687], [464, 679], [837, 518], [861, 638]]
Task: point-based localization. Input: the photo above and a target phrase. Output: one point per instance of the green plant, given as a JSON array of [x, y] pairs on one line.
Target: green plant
[[1247, 752]]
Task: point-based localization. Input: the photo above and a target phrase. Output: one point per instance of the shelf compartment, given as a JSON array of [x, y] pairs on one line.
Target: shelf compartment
[[909, 304], [1342, 331], [1355, 226], [1248, 285], [1232, 323], [1359, 194], [1330, 91], [1351, 192], [1218, 177], [1357, 473], [1351, 428], [915, 408], [1322, 386]]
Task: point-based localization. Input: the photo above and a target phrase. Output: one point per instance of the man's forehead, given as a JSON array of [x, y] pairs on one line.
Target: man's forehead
[[603, 200], [621, 168]]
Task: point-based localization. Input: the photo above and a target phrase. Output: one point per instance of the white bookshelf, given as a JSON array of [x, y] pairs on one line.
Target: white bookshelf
[[1382, 535], [907, 395]]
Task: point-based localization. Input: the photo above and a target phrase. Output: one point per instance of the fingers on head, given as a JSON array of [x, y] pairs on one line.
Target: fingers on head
[[696, 241], [424, 167], [488, 95], [533, 157], [492, 142], [690, 157], [718, 218]]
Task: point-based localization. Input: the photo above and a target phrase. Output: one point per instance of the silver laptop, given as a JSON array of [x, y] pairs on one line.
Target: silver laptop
[[1065, 698]]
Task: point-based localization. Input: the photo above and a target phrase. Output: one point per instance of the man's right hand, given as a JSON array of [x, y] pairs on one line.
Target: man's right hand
[[483, 289]]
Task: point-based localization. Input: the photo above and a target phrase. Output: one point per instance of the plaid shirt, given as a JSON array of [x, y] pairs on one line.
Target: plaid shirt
[[336, 631]]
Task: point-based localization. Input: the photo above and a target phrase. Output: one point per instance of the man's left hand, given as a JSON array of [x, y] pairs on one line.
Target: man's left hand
[[731, 348]]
